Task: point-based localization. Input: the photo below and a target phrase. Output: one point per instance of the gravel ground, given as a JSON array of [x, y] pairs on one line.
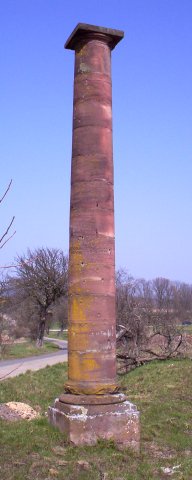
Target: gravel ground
[[13, 411]]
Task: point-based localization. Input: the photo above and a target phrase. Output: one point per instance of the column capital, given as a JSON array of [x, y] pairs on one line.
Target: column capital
[[84, 31]]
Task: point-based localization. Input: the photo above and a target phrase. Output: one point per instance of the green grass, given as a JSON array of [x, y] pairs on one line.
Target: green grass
[[27, 349], [36, 451], [186, 328], [58, 335]]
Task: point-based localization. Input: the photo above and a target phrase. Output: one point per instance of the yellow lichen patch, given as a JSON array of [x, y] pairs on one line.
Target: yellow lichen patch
[[82, 327], [76, 261], [90, 365], [81, 51], [83, 366], [77, 340], [78, 308], [91, 388]]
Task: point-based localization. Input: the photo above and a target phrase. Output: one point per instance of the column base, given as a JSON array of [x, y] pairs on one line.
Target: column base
[[88, 418]]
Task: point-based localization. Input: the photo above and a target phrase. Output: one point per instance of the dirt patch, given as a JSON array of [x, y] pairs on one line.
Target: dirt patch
[[13, 411], [156, 451]]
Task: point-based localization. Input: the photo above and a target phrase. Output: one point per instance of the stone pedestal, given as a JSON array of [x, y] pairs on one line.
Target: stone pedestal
[[88, 418]]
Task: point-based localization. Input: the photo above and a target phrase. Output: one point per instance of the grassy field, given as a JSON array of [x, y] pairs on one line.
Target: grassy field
[[58, 335], [36, 451], [186, 328], [26, 349]]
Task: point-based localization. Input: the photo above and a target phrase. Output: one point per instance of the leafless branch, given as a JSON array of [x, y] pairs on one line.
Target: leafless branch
[[131, 359], [5, 234], [8, 266], [3, 239], [27, 262], [124, 331], [4, 195]]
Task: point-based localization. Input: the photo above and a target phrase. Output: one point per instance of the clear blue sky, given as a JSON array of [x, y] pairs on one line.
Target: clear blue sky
[[152, 122]]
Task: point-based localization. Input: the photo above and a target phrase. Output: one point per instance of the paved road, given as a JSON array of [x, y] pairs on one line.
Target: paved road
[[62, 344], [12, 368]]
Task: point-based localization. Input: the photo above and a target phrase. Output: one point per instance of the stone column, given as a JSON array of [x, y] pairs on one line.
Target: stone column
[[92, 358], [91, 387]]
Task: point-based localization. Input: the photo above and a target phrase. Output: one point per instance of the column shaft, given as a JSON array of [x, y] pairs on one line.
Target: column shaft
[[92, 332]]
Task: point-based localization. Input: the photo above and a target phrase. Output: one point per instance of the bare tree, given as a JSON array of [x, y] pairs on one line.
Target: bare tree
[[5, 324], [163, 292], [60, 312], [146, 321], [41, 279], [183, 302], [134, 304], [1, 315]]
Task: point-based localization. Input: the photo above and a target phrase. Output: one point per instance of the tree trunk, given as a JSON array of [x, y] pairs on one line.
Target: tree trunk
[[41, 332]]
